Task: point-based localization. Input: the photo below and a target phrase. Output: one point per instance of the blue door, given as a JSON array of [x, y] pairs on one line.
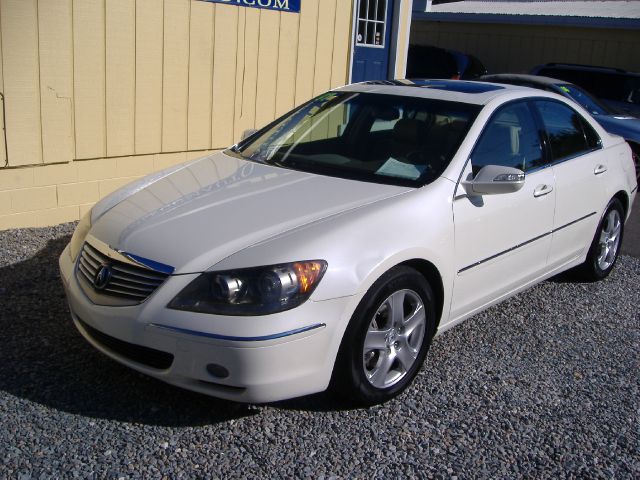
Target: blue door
[[373, 40]]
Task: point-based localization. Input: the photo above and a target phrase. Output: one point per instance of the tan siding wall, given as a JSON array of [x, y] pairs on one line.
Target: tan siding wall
[[3, 151], [200, 70], [56, 79], [99, 92], [19, 24], [120, 46], [247, 71], [518, 48], [288, 62], [175, 89], [324, 47], [89, 80], [149, 58], [341, 38], [268, 57], [404, 26], [307, 36], [224, 72]]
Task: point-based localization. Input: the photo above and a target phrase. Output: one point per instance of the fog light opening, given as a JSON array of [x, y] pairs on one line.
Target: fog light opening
[[217, 371]]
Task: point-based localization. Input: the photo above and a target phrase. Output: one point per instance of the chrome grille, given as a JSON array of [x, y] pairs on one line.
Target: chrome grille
[[128, 282]]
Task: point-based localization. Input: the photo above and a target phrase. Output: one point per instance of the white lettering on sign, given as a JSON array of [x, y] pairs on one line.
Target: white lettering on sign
[[274, 4]]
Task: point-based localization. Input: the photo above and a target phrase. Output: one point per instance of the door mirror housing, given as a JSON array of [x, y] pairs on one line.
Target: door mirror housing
[[247, 133], [495, 180]]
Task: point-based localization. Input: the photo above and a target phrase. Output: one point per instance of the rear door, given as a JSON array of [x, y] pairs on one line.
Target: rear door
[[580, 169]]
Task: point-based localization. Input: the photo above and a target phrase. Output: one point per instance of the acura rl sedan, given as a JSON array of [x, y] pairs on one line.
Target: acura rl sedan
[[328, 248]]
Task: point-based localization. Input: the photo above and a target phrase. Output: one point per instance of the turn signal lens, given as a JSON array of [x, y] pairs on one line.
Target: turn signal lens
[[308, 274], [509, 177]]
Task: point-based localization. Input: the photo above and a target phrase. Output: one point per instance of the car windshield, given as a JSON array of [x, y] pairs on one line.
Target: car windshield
[[396, 140], [589, 103]]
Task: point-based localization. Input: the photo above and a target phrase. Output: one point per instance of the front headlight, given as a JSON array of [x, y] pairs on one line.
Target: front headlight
[[79, 236], [251, 291]]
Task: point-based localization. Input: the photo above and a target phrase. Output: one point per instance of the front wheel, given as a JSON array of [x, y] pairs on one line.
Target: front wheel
[[605, 247], [387, 338]]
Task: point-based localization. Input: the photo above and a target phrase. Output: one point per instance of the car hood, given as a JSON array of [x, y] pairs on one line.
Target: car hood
[[625, 126], [214, 207]]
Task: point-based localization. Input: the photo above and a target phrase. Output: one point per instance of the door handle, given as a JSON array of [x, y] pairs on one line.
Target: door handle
[[600, 169], [542, 190]]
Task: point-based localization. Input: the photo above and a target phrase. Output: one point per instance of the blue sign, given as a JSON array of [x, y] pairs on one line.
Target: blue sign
[[280, 5]]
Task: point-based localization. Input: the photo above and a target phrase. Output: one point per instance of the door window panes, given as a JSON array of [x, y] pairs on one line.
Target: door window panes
[[564, 128], [510, 139], [593, 139], [372, 19]]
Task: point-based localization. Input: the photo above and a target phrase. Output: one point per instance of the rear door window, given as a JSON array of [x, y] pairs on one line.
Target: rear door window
[[566, 130]]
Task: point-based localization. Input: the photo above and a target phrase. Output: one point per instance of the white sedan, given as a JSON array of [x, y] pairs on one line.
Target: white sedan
[[328, 248]]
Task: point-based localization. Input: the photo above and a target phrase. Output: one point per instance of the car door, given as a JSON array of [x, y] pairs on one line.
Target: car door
[[502, 241], [580, 168]]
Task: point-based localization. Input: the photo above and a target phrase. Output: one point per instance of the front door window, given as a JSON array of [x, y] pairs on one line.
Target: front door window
[[510, 139]]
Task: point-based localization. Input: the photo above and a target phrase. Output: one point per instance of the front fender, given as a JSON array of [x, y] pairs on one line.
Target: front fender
[[361, 244]]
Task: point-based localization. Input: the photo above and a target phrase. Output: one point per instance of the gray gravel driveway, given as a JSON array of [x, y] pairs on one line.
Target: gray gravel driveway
[[544, 385]]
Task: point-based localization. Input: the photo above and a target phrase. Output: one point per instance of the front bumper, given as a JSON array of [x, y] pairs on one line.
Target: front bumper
[[266, 359]]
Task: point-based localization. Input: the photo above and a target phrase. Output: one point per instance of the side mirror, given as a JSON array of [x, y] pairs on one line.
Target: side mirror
[[247, 133], [494, 180]]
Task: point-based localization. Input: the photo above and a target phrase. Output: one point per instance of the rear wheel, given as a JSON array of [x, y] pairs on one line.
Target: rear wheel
[[387, 339], [605, 247]]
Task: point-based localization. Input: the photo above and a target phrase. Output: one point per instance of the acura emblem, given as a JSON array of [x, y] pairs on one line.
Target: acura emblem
[[103, 275]]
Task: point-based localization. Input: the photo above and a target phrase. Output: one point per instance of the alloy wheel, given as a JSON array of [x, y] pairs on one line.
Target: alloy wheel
[[609, 240], [393, 339]]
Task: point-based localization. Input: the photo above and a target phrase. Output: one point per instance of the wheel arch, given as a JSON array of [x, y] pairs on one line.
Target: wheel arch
[[340, 376], [431, 273], [624, 200]]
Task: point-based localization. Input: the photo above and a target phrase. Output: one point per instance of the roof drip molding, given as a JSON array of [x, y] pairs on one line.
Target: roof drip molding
[[592, 13]]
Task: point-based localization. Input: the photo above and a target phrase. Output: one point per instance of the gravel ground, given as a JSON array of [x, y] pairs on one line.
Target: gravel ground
[[544, 385]]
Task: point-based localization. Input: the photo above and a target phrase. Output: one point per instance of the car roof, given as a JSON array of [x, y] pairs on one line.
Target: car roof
[[521, 77], [477, 93]]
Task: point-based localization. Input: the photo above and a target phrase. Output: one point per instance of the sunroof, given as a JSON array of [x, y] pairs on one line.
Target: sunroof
[[450, 85]]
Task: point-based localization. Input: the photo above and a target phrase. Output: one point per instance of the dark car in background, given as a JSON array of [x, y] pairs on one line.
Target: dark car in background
[[619, 88], [426, 61], [628, 127]]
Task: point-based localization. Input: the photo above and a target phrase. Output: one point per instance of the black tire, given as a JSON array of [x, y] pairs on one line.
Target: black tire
[[351, 379], [592, 269]]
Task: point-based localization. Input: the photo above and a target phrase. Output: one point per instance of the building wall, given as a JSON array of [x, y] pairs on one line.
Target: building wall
[[518, 48], [97, 93]]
